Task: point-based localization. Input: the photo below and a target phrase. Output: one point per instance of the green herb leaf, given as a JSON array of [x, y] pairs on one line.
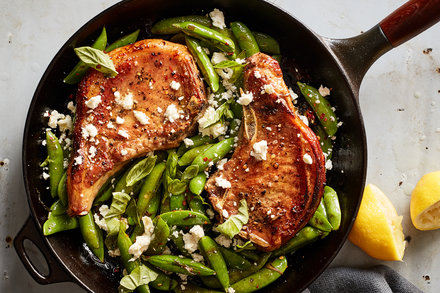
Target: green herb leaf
[[140, 170], [132, 213], [219, 113], [233, 225], [142, 275], [97, 59], [175, 186], [113, 225], [190, 172], [228, 64], [118, 206], [45, 162], [247, 246]]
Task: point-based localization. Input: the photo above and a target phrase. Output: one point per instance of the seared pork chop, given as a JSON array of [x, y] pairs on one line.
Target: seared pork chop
[[282, 186], [152, 104]]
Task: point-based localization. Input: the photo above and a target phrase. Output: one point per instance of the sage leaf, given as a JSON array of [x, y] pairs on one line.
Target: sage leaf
[[96, 59], [140, 170], [234, 223], [142, 275], [190, 172]]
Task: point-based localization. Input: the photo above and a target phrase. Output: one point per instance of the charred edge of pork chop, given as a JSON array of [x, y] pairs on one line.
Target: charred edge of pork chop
[[145, 70], [273, 217]]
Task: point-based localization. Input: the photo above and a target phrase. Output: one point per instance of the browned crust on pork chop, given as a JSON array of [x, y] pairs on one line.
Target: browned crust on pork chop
[[283, 191], [154, 74]]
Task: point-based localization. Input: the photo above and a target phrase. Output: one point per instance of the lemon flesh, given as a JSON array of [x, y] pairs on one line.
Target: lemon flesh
[[377, 229], [425, 202]]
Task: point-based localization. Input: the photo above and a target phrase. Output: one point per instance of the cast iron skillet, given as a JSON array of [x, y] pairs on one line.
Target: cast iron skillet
[[340, 64]]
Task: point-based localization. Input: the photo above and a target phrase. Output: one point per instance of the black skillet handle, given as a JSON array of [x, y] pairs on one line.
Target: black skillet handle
[[357, 54], [30, 232]]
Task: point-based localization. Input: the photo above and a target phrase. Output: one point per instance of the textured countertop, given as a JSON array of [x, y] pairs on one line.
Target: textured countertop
[[399, 97]]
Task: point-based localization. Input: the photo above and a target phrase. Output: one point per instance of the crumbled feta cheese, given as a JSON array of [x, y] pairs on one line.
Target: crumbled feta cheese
[[225, 73], [223, 240], [257, 74], [222, 182], [245, 98], [218, 18], [92, 152], [210, 213], [218, 57], [324, 91], [304, 119], [175, 85], [221, 163], [93, 102], [197, 257], [192, 238], [188, 142], [45, 176], [126, 102], [53, 118], [78, 160], [124, 152], [110, 125], [123, 133], [328, 164], [292, 94], [215, 130], [268, 88], [71, 107], [141, 117], [159, 110], [307, 159], [340, 124], [230, 290], [143, 241], [89, 130], [65, 124], [120, 120], [100, 222], [225, 214], [171, 113], [114, 252], [259, 151]]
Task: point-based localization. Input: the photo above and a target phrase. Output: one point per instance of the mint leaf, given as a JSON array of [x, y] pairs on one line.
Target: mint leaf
[[97, 59], [140, 170], [142, 275], [233, 225]]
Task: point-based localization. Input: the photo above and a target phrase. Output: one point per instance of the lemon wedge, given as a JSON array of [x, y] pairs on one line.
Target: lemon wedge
[[377, 229], [425, 202]]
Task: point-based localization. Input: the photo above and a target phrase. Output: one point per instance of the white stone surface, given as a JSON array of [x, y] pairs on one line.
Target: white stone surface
[[403, 145]]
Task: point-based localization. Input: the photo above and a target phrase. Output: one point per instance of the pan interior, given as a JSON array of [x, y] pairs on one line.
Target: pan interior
[[297, 44]]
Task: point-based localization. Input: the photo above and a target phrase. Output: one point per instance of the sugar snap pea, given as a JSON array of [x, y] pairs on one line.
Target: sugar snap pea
[[210, 250], [205, 33], [277, 57], [204, 63], [305, 236], [197, 184], [191, 154], [331, 203], [324, 140], [149, 188], [177, 239], [237, 109], [196, 205], [163, 282], [166, 26], [266, 43], [321, 107], [245, 38], [161, 234], [153, 205], [56, 157], [214, 153], [175, 264], [184, 218], [81, 68], [123, 41], [234, 260], [178, 202], [191, 288], [263, 277], [319, 219], [58, 220], [196, 141], [62, 190], [92, 235]]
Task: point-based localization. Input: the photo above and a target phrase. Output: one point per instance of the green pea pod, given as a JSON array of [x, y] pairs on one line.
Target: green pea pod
[[191, 288], [304, 237], [210, 250], [234, 260], [58, 220], [321, 107], [251, 255], [163, 282], [324, 140], [277, 58], [103, 196], [92, 235], [123, 41], [321, 207], [153, 205], [81, 68], [196, 205], [62, 190], [56, 157], [263, 277], [178, 202], [197, 140], [197, 184], [202, 32], [320, 222], [177, 239], [214, 153], [191, 154], [175, 264], [184, 218], [166, 26], [228, 32], [165, 204], [331, 203], [178, 38], [245, 38], [161, 234], [149, 188], [266, 43], [204, 63]]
